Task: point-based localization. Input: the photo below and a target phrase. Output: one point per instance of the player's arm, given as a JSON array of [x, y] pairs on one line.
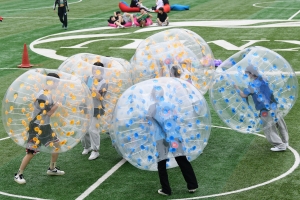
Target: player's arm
[[54, 5], [240, 92], [67, 5], [53, 108]]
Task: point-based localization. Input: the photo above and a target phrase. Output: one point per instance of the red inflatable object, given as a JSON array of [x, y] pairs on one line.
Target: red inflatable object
[[167, 8], [124, 8], [1, 18]]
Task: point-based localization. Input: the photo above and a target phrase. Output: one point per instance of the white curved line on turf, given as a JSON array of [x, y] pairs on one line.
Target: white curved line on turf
[[295, 165], [41, 7], [118, 165], [4, 138], [97, 18], [20, 197], [219, 23], [257, 5]]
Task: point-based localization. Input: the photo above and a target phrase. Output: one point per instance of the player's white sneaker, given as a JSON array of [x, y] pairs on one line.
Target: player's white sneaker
[[278, 149], [20, 179], [86, 151], [55, 172], [94, 155]]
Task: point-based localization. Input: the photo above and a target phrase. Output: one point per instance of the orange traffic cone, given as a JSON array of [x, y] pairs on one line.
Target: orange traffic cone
[[25, 59]]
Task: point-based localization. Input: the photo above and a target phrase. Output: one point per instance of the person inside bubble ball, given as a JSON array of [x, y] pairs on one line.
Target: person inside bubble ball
[[40, 131], [175, 69], [168, 139], [258, 89], [91, 140]]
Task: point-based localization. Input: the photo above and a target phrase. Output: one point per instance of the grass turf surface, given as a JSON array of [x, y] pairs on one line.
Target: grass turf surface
[[230, 161]]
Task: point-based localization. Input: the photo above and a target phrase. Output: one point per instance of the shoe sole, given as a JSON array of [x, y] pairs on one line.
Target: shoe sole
[[162, 193], [54, 174], [93, 158], [19, 182], [277, 150]]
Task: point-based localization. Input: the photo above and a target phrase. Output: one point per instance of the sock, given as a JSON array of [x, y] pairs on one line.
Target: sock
[[52, 165], [20, 172]]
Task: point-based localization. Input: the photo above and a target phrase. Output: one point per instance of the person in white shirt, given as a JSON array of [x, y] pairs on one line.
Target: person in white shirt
[[159, 4]]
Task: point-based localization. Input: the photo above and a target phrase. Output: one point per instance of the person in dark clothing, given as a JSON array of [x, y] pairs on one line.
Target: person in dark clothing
[[117, 21], [163, 146], [134, 3], [162, 17], [63, 7]]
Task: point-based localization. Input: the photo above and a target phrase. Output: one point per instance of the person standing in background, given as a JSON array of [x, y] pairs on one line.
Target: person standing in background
[[63, 7]]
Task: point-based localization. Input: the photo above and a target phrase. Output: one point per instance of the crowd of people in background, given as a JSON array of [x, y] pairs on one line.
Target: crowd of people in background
[[118, 19], [143, 18]]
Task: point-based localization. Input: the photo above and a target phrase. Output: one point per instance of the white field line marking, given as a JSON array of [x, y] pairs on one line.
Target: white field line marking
[[97, 18], [41, 7], [294, 15], [295, 165], [118, 165], [4, 138], [21, 197], [257, 5], [101, 180]]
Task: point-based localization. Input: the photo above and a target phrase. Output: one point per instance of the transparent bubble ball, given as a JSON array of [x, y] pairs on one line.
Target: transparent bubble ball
[[110, 81], [160, 119], [26, 111], [175, 49], [273, 92]]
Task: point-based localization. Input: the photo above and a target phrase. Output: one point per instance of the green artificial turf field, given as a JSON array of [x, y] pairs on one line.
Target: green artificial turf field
[[232, 166]]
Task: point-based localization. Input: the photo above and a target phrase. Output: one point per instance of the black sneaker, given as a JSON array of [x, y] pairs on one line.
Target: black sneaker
[[162, 193], [192, 191], [55, 172], [20, 179]]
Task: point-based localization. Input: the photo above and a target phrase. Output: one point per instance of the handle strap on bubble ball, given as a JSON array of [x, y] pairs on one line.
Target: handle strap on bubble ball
[[32, 121], [36, 116]]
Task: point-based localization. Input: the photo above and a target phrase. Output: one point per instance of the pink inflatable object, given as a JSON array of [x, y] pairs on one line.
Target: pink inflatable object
[[128, 24], [148, 23]]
